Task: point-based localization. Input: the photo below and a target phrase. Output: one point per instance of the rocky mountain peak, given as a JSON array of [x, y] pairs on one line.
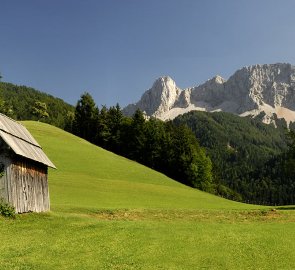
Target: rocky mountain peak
[[218, 79], [158, 100], [268, 88], [163, 81]]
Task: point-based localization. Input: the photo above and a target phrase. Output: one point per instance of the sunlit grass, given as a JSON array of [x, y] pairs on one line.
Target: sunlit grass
[[112, 213], [90, 177]]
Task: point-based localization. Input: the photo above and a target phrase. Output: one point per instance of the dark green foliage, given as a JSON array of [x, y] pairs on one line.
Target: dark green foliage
[[240, 150], [6, 108], [115, 118], [158, 145], [101, 132], [23, 103], [275, 181], [86, 118], [137, 136], [6, 209], [187, 160]]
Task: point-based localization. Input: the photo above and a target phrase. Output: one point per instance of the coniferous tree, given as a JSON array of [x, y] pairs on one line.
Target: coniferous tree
[[189, 161], [137, 137], [154, 152], [103, 130], [115, 118], [85, 121]]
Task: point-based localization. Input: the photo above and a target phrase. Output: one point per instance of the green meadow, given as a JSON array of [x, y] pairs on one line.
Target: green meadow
[[108, 212]]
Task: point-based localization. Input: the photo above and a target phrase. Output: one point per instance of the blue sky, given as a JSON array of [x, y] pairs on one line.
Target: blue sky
[[115, 49]]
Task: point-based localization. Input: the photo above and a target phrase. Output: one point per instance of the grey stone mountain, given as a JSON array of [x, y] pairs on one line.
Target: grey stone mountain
[[249, 91]]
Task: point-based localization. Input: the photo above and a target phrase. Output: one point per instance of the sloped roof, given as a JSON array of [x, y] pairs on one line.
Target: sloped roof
[[21, 141]]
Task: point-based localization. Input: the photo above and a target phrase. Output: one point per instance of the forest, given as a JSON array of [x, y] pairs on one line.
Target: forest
[[26, 103], [238, 158], [252, 161]]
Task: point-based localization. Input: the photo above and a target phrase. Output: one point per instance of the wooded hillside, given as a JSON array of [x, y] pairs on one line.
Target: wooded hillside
[[241, 148], [26, 103]]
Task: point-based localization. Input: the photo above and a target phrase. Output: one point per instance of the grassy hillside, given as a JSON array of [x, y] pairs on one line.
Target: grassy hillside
[[89, 177], [111, 213]]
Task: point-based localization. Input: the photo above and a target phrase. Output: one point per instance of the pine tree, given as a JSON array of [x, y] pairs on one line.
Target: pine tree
[[86, 114], [137, 136], [115, 118], [103, 130]]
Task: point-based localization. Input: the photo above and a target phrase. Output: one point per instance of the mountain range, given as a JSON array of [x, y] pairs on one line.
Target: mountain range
[[268, 89]]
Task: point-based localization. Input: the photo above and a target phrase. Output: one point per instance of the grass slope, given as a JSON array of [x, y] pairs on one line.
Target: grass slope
[[112, 213], [89, 177]]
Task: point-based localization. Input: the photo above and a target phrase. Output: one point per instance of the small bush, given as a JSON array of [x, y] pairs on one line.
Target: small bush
[[6, 209]]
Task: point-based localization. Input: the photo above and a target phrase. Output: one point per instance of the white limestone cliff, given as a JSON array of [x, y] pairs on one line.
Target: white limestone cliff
[[249, 91], [158, 100]]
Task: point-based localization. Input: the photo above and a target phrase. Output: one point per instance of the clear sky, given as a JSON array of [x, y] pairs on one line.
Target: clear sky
[[115, 49]]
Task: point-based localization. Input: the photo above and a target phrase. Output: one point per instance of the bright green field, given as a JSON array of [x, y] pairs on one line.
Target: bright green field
[[112, 213]]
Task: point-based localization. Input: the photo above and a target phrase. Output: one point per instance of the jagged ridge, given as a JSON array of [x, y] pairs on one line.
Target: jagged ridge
[[249, 91]]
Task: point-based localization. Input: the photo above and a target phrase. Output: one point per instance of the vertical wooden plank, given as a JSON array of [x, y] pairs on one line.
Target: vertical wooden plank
[[8, 181], [12, 186], [18, 185], [42, 202], [6, 176], [27, 186]]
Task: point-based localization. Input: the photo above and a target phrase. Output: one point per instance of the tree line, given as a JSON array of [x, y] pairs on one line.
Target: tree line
[[172, 150]]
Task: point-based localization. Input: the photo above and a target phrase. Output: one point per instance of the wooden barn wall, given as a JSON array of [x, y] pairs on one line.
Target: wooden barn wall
[[5, 162], [27, 187]]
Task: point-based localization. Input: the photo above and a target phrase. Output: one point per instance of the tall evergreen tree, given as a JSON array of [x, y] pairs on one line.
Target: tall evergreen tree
[[86, 117], [103, 129], [190, 162], [154, 131], [137, 136], [115, 118]]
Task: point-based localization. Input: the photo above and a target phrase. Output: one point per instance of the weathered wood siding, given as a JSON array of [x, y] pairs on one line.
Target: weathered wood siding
[[4, 162], [2, 189], [27, 186]]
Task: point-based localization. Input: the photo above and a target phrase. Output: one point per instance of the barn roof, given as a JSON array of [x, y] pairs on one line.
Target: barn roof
[[21, 141]]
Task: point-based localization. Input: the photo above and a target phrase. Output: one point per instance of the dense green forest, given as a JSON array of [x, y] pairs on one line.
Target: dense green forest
[[25, 103], [247, 156]]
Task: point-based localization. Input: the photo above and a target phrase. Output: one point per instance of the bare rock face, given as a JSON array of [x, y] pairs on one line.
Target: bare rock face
[[158, 100], [249, 91]]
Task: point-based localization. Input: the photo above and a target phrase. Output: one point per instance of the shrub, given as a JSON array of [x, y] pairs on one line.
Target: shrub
[[6, 209]]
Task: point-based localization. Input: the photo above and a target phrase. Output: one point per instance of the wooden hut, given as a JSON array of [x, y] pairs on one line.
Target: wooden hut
[[24, 168]]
